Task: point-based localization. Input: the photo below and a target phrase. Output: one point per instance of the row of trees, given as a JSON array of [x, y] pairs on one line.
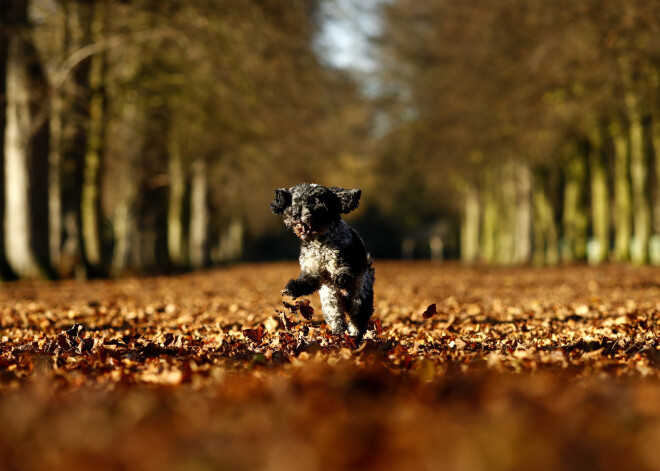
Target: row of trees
[[140, 135], [544, 117]]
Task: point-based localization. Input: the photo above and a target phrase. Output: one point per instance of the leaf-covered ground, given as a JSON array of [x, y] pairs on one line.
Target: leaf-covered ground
[[511, 369]]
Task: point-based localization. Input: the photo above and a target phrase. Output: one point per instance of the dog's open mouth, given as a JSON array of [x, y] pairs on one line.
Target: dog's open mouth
[[303, 230]]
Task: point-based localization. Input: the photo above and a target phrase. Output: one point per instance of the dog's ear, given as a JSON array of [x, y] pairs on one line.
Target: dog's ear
[[281, 202], [350, 199]]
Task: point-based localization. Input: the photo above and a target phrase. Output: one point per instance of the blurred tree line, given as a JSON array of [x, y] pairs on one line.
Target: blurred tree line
[[138, 135], [542, 118], [141, 135]]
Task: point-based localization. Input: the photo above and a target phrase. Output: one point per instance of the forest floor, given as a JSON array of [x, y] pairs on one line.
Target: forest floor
[[515, 368]]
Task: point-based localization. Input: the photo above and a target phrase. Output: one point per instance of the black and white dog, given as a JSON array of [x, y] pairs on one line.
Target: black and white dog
[[333, 258]]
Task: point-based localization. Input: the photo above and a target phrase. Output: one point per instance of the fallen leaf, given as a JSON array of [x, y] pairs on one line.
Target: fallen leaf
[[256, 335], [430, 311]]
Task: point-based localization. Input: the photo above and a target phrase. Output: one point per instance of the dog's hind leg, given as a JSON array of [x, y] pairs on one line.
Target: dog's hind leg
[[363, 307]]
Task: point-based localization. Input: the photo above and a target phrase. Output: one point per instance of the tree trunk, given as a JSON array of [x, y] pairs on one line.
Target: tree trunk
[[124, 221], [231, 241], [470, 224], [5, 271], [91, 216], [199, 214], [546, 250], [58, 126], [524, 214], [55, 182], [505, 187], [656, 151], [639, 182], [654, 246], [574, 221], [175, 211], [600, 201], [489, 220], [76, 109], [622, 199], [26, 153]]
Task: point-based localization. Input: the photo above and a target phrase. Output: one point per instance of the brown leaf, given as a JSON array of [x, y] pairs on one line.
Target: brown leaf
[[305, 309], [376, 326], [256, 335], [63, 342], [430, 311], [302, 306]]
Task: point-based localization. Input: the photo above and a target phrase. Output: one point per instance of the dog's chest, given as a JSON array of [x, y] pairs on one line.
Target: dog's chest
[[319, 259]]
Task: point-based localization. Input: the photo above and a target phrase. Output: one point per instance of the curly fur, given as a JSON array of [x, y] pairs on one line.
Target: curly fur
[[333, 257]]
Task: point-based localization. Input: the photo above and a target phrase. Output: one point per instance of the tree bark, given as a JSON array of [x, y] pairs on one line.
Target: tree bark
[[199, 214], [506, 190], [489, 220], [622, 198], [76, 112], [230, 247], [600, 201], [57, 131], [574, 221], [524, 214], [546, 250], [123, 218], [656, 150], [175, 211], [639, 183], [26, 153], [5, 271], [91, 215], [470, 224]]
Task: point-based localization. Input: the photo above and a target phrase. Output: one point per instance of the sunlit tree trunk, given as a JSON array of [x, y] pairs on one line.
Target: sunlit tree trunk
[[574, 221], [654, 245], [175, 210], [524, 214], [199, 214], [123, 230], [506, 190], [230, 247], [489, 219], [5, 270], [656, 150], [639, 183], [546, 250], [470, 224], [600, 200], [91, 216], [57, 127], [622, 198], [123, 219], [76, 108], [26, 152]]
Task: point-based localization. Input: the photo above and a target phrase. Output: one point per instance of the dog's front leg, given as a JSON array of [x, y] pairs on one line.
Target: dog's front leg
[[304, 285]]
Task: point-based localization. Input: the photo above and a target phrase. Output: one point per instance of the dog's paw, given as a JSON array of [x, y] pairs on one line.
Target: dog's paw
[[294, 289]]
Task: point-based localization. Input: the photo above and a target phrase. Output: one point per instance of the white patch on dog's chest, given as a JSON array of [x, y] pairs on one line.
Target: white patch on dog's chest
[[319, 259]]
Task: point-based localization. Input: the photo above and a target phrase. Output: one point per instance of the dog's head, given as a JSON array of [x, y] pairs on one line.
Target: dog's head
[[312, 210]]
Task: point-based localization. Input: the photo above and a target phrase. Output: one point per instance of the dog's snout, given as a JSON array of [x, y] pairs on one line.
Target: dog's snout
[[297, 213]]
